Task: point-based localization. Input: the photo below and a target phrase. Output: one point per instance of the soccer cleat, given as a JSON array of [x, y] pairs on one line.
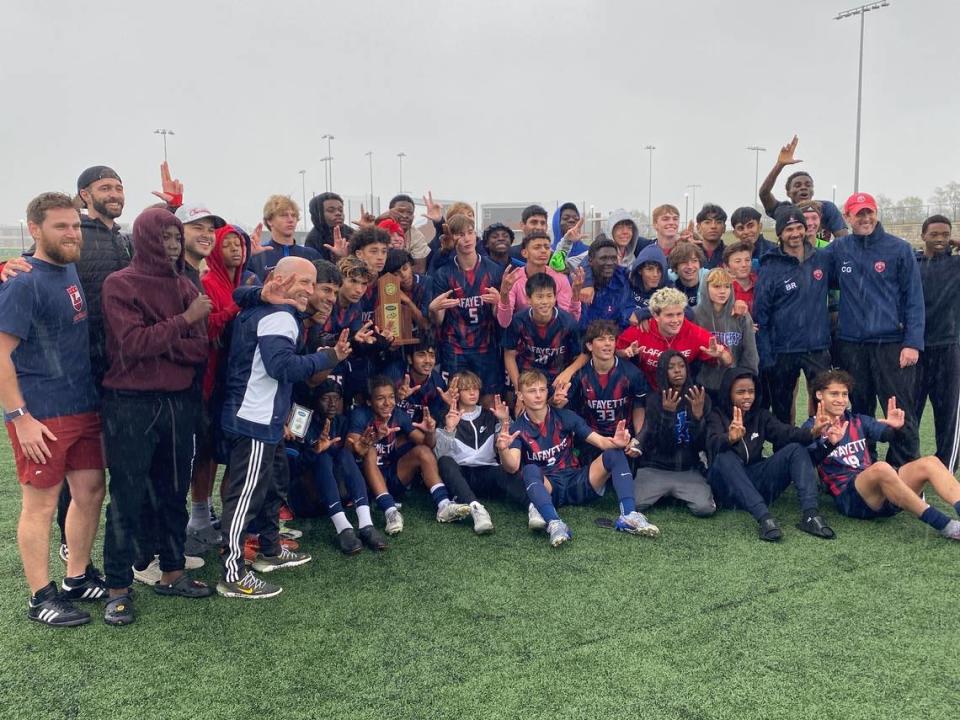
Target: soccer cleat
[[55, 610], [952, 530], [119, 611], [394, 522], [249, 587], [482, 524], [286, 514], [348, 542], [372, 538], [559, 532], [86, 587], [770, 531], [535, 520], [451, 511], [64, 552], [150, 575], [636, 523], [286, 559], [815, 525]]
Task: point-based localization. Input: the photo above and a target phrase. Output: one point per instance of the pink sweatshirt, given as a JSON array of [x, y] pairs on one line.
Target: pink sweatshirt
[[517, 299]]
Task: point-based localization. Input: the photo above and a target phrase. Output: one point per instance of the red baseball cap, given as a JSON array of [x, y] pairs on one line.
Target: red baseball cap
[[857, 202]]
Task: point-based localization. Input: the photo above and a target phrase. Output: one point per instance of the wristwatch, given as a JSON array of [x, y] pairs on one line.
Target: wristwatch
[[14, 414]]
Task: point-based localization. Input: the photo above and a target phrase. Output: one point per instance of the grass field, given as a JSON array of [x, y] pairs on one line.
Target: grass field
[[706, 622]]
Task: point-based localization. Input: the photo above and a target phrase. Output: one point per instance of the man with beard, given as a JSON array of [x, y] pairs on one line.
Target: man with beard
[[199, 228], [51, 405]]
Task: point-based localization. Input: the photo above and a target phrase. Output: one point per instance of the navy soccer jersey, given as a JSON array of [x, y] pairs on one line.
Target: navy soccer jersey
[[427, 395], [471, 327], [692, 293], [262, 263], [603, 400], [550, 444], [47, 310], [851, 456], [548, 348], [368, 303], [388, 449], [340, 318]]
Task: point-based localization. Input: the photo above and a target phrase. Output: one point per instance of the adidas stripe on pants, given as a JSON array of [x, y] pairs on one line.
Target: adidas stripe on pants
[[251, 494]]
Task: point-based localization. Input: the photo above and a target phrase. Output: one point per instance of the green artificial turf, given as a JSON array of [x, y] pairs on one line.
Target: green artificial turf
[[706, 622]]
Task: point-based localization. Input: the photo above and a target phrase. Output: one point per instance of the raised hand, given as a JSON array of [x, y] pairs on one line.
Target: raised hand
[[171, 191], [575, 233], [586, 295], [443, 301], [256, 241], [434, 210], [786, 153], [428, 424], [452, 419], [275, 289], [621, 437], [325, 441], [365, 335], [688, 233], [697, 397], [821, 421], [343, 348], [447, 240], [385, 430], [736, 430], [404, 390], [631, 350], [451, 396], [501, 411], [385, 334], [577, 278], [369, 437], [518, 407], [836, 431], [491, 296], [713, 349], [560, 395], [366, 219], [896, 417], [740, 308], [340, 248], [509, 279], [505, 438], [670, 399]]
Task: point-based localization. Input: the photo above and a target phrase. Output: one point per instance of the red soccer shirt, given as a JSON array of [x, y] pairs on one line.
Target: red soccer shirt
[[687, 342]]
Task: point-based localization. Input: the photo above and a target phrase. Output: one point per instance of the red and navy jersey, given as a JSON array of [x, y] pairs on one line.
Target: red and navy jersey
[[388, 449], [851, 456], [427, 395], [603, 400], [549, 444], [368, 303], [471, 326], [548, 348], [344, 317]]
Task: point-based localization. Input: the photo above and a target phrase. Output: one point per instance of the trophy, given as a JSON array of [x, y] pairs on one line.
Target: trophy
[[392, 314]]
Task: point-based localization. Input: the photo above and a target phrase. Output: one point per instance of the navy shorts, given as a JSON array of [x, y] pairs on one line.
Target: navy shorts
[[850, 503], [572, 487], [394, 486], [487, 366]]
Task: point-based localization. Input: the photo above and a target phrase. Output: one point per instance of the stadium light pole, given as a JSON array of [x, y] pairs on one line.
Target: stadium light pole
[[686, 208], [21, 235], [650, 149], [163, 132], [756, 150], [861, 11], [401, 156], [369, 154], [329, 138], [326, 180], [694, 198], [303, 210]]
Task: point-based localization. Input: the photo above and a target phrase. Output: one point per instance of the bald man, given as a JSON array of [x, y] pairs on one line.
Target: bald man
[[262, 367]]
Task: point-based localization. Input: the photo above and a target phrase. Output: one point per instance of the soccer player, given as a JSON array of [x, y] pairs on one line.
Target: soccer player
[[263, 365], [465, 293], [938, 372], [395, 451], [513, 294], [739, 474], [328, 231], [666, 225], [421, 383], [542, 337], [686, 262], [864, 489], [648, 274], [280, 215], [540, 444], [497, 241], [51, 407]]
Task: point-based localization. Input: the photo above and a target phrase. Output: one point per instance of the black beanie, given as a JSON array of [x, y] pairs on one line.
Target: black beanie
[[787, 215]]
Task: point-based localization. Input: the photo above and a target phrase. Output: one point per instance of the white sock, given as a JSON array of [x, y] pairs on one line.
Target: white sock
[[340, 522], [363, 516], [199, 516]]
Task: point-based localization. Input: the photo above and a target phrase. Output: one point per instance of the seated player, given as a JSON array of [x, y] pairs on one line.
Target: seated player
[[421, 383], [541, 337], [674, 435], [541, 442], [395, 451], [466, 454], [865, 489], [739, 474]]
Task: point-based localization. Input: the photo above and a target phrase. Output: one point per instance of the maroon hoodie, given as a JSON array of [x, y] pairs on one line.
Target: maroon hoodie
[[150, 345]]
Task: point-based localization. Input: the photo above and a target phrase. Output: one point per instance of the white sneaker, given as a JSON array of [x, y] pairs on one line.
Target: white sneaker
[[535, 520], [394, 522], [451, 511], [192, 562], [952, 530], [559, 532], [290, 533], [482, 524], [636, 523], [151, 574]]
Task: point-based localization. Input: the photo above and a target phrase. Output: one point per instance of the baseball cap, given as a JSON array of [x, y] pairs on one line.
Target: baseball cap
[[788, 215], [857, 202], [98, 172], [197, 211]]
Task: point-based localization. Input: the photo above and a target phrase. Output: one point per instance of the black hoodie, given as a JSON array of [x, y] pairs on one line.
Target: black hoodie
[[673, 439], [320, 238], [759, 423]]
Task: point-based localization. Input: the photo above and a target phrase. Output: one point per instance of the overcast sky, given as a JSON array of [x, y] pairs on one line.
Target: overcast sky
[[492, 101]]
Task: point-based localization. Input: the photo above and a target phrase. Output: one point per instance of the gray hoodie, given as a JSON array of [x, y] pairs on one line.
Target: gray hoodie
[[626, 262], [736, 333]]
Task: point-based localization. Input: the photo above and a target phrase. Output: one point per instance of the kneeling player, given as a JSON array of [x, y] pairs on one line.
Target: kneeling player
[[864, 489], [542, 443], [394, 451]]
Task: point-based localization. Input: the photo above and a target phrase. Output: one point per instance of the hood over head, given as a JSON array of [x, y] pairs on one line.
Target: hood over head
[[324, 233], [215, 263], [650, 254], [729, 378], [617, 216], [704, 309], [555, 222], [149, 256]]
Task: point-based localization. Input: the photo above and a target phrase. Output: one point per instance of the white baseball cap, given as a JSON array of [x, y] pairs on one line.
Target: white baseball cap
[[197, 211]]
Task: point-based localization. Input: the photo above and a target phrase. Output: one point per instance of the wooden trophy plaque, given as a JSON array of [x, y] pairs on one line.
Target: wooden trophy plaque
[[393, 315]]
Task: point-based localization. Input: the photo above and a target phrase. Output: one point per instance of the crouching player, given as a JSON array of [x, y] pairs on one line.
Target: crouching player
[[864, 489], [394, 451], [541, 442]]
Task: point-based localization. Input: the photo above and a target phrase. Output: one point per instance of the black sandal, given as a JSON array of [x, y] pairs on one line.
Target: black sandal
[[184, 586]]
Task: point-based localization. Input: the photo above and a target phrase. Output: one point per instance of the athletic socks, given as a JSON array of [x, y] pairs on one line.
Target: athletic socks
[[537, 492], [363, 516], [340, 521], [615, 463], [385, 502], [934, 518], [439, 494], [199, 515]]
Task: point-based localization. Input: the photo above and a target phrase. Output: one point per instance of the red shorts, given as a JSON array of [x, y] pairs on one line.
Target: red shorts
[[77, 447]]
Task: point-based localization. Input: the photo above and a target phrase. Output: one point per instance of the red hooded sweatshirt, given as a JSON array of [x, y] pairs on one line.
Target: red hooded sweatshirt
[[150, 345], [219, 284]]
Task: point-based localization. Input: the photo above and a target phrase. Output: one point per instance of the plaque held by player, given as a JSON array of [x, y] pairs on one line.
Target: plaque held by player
[[299, 421], [393, 315]]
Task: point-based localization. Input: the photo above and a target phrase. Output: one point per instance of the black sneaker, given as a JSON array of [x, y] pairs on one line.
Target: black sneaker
[[348, 542], [372, 538], [119, 611], [51, 609], [88, 586], [770, 531], [815, 525]]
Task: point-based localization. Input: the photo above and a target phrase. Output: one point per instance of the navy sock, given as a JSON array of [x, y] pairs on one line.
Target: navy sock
[[956, 506], [439, 493], [537, 492], [934, 518], [385, 502], [615, 463]]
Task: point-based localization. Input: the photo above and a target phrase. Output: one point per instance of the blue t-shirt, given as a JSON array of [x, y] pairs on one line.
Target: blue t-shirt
[[388, 449], [549, 445], [47, 310]]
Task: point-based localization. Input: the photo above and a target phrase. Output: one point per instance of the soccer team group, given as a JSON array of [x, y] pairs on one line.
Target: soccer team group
[[542, 371]]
